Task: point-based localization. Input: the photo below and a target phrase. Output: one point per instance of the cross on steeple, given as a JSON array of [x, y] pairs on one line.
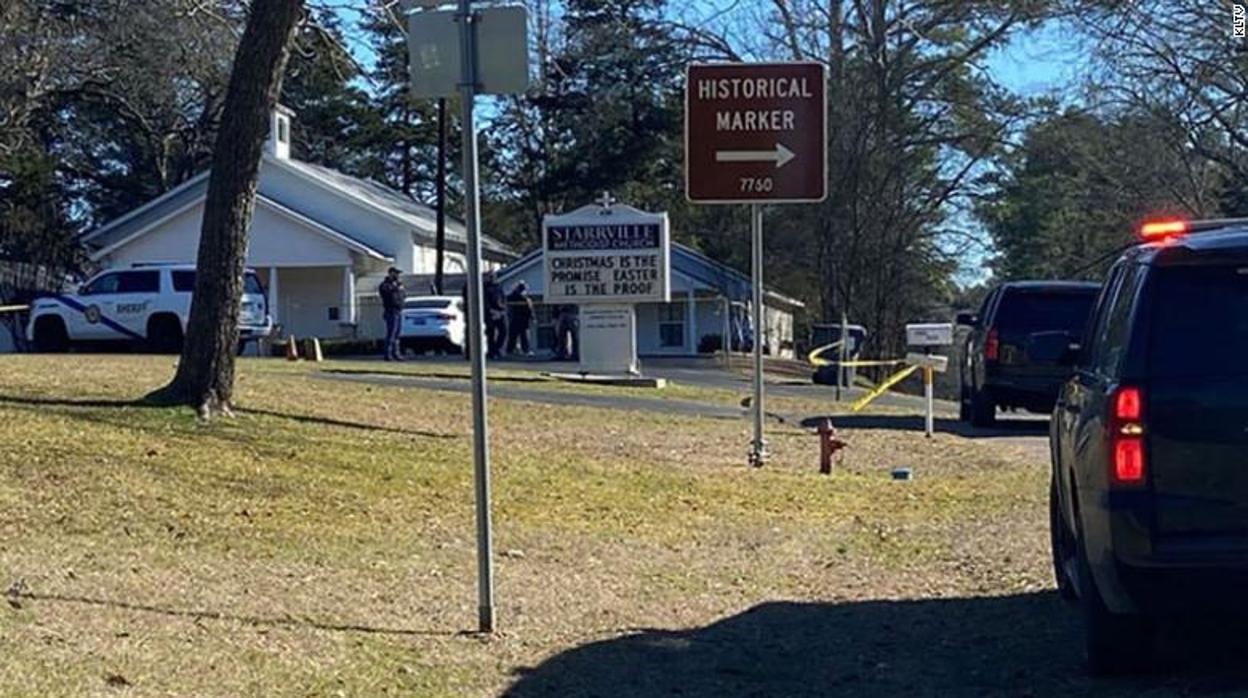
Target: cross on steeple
[[606, 200]]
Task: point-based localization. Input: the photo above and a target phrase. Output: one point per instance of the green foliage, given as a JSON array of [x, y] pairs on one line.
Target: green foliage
[[1079, 186], [334, 117], [34, 225], [399, 136], [605, 115]]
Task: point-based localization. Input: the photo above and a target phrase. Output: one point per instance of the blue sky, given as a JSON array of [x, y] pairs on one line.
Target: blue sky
[[1039, 61]]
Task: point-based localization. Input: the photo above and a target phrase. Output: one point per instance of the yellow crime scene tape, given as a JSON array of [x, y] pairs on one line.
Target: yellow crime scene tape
[[815, 358], [874, 362], [882, 387], [13, 308]]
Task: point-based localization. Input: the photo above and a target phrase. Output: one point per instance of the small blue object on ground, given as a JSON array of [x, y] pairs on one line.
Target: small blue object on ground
[[903, 474]]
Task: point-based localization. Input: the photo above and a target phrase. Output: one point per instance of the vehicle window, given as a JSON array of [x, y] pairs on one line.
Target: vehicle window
[[1112, 344], [183, 281], [427, 304], [1095, 327], [982, 315], [139, 282], [1044, 312], [1200, 322], [107, 283]]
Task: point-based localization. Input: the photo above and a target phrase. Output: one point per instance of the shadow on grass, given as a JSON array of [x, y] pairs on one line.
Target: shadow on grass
[[67, 402], [214, 615], [1020, 645], [329, 421], [432, 375], [908, 422], [24, 401]]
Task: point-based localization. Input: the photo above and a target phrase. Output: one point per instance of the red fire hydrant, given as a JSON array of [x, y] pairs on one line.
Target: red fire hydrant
[[829, 445]]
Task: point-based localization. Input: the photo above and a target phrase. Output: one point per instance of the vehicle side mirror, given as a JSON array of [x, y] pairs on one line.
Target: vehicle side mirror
[[82, 290], [966, 319]]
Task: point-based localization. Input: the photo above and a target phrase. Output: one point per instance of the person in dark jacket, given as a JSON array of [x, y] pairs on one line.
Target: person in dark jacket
[[495, 316], [519, 318], [393, 296], [567, 325]]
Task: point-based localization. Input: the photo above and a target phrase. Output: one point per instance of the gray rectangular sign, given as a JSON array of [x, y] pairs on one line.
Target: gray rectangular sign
[[502, 51]]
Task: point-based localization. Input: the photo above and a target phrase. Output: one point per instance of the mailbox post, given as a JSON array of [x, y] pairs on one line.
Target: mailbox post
[[928, 336]]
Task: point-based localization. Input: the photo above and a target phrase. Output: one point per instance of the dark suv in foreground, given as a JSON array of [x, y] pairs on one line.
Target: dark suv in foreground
[[1149, 441], [1012, 357]]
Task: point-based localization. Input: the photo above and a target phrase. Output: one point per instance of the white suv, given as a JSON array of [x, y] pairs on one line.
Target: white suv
[[145, 305]]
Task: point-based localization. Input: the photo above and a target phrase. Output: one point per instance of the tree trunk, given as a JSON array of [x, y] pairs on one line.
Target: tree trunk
[[205, 376]]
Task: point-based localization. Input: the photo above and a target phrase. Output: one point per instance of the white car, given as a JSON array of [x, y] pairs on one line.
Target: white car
[[433, 322], [143, 305]]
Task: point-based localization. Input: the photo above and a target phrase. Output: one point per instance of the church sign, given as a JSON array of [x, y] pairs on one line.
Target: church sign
[[611, 254]]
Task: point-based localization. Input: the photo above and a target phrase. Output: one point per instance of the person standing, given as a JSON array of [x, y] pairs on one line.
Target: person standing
[[566, 326], [495, 316], [393, 296], [520, 317]]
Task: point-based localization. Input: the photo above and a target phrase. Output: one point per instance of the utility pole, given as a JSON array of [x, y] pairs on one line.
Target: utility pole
[[440, 243]]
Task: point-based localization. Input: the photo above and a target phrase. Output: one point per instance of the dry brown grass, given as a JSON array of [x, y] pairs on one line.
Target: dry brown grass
[[321, 542]]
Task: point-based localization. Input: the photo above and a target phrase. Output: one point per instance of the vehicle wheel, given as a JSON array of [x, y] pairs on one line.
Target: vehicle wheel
[[1063, 546], [1116, 644], [50, 336], [964, 406], [983, 410], [164, 335]]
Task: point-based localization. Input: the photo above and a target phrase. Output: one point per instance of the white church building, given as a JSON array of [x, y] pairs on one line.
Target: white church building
[[709, 300], [321, 241]]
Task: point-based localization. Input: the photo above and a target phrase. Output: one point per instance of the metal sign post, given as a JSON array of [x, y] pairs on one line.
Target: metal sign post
[[758, 446], [756, 133], [466, 52], [480, 422]]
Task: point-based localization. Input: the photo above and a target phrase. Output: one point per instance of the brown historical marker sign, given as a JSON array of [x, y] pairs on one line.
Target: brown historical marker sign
[[755, 132]]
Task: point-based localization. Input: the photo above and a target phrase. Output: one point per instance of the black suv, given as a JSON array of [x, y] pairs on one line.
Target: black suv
[[1149, 441], [1013, 356]]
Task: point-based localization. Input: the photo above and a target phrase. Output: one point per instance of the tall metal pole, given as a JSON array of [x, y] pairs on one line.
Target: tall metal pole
[[758, 447], [472, 220], [440, 242]]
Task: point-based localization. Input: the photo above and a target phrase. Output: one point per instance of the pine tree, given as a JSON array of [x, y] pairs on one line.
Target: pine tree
[[402, 140]]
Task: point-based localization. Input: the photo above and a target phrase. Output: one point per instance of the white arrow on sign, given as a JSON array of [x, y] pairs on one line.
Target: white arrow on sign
[[781, 155]]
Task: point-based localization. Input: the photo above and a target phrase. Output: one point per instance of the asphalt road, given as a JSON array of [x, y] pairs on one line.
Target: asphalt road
[[1027, 431]]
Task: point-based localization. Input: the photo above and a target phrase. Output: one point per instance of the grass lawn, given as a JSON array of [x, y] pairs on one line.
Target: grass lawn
[[321, 542]]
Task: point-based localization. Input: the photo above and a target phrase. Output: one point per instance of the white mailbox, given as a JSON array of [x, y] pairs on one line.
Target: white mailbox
[[929, 334]]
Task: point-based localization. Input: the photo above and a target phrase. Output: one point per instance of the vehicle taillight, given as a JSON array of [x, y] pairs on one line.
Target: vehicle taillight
[[1127, 404], [446, 317], [992, 345], [1126, 432]]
